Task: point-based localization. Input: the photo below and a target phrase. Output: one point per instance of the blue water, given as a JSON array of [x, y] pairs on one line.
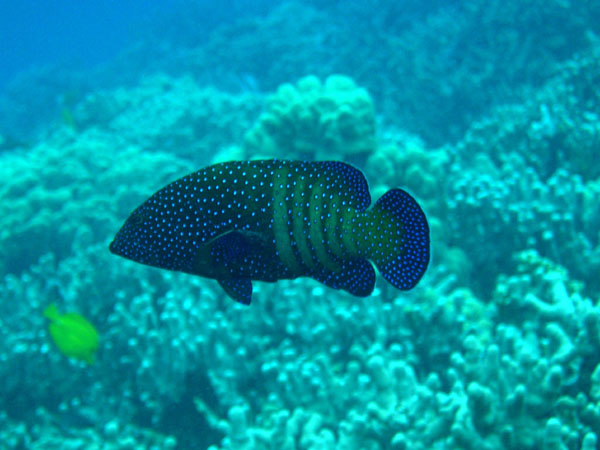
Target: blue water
[[486, 112], [34, 33], [85, 34]]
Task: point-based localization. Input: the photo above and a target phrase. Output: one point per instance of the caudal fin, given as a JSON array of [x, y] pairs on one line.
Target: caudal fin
[[400, 236]]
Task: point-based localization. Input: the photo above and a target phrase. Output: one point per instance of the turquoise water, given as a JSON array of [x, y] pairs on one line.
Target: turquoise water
[[487, 113]]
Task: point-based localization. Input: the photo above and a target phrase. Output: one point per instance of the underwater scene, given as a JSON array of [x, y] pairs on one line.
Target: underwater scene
[[312, 225]]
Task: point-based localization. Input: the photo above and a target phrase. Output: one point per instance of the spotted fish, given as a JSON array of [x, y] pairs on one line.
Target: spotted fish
[[274, 219]]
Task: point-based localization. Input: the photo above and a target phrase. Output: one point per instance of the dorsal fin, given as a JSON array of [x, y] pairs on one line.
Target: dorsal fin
[[354, 181], [349, 182]]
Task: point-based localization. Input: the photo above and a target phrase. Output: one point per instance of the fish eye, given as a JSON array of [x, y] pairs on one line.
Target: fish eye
[[138, 218]]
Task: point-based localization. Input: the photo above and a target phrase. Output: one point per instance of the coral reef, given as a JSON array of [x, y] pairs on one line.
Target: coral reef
[[173, 115], [66, 191], [526, 185], [314, 120], [46, 434], [496, 349], [431, 68]]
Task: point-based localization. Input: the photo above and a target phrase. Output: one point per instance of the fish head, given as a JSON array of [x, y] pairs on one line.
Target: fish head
[[136, 240]]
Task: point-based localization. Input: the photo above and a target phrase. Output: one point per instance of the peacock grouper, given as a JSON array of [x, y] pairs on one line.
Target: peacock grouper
[[274, 219]]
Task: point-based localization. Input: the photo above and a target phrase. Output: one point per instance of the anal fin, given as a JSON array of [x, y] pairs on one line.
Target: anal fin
[[239, 289], [357, 277]]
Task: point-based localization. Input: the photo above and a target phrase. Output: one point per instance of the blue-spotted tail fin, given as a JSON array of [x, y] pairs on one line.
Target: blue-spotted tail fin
[[400, 246]]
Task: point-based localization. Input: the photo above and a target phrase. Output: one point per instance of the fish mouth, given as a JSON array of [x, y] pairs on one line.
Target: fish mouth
[[114, 248]]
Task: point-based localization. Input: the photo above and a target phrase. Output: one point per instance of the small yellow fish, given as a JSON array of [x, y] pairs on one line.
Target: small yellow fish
[[73, 334], [68, 118]]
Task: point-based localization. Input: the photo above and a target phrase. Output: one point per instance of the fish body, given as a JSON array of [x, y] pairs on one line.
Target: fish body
[[278, 219], [74, 335]]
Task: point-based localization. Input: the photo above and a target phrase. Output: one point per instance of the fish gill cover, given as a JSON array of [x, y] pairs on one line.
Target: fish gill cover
[[485, 112]]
